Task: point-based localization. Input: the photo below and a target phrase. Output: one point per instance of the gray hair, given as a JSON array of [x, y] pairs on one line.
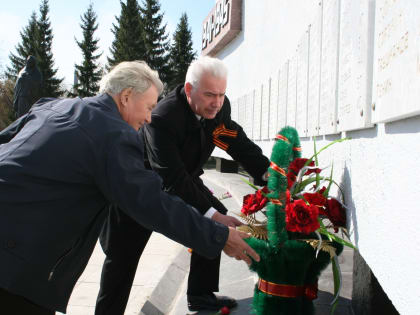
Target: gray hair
[[208, 65], [130, 74]]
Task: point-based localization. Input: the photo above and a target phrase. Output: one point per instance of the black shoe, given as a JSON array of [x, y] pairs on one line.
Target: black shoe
[[209, 301]]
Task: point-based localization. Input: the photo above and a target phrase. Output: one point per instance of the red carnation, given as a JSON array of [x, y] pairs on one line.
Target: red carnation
[[254, 202], [315, 199], [335, 213], [224, 310], [301, 217], [298, 163], [291, 178]]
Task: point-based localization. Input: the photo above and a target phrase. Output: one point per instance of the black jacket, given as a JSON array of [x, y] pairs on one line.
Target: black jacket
[[177, 147], [65, 162]]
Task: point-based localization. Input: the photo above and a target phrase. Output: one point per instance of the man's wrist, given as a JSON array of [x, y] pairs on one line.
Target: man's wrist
[[210, 213]]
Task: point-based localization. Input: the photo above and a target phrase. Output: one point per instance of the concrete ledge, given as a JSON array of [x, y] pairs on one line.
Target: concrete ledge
[[165, 292]]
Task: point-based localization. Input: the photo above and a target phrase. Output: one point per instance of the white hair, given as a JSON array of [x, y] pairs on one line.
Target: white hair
[[205, 65], [130, 74]]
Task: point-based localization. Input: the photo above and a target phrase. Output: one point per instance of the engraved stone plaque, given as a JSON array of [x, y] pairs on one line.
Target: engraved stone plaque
[[274, 94], [355, 65], [256, 126], [396, 86], [314, 73], [265, 109], [329, 67], [282, 99], [302, 85], [291, 93]]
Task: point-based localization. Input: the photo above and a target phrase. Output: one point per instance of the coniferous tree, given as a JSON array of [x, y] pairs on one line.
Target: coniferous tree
[[88, 72], [51, 85], [128, 44], [155, 39], [28, 46], [181, 52]]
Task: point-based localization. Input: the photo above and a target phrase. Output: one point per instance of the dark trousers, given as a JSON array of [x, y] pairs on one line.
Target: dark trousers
[[11, 304], [123, 241]]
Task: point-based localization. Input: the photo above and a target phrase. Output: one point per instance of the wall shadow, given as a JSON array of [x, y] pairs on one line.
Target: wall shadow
[[408, 125], [349, 202], [369, 133]]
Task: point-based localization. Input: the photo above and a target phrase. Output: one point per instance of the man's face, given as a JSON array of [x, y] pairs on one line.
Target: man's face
[[136, 108], [207, 98]]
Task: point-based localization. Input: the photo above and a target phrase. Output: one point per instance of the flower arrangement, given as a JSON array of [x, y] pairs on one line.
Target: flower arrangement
[[299, 235]]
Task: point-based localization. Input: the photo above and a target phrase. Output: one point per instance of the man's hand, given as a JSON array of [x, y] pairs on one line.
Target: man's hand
[[236, 247], [226, 220]]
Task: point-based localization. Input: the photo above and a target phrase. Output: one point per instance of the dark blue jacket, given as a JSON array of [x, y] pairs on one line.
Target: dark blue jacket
[[61, 166]]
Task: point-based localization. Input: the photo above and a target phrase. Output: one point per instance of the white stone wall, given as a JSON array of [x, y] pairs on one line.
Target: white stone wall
[[378, 168]]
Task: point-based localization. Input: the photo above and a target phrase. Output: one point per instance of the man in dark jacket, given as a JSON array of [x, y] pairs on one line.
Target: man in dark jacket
[[186, 126], [61, 166]]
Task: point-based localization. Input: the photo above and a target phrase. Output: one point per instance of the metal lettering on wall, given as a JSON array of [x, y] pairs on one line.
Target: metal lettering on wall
[[265, 110], [355, 65], [396, 84], [274, 93], [291, 92], [315, 34], [329, 67], [302, 85], [221, 26]]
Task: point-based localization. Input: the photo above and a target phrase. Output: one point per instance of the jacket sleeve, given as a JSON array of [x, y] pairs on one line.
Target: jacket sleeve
[[242, 149], [164, 158], [12, 130], [138, 193]]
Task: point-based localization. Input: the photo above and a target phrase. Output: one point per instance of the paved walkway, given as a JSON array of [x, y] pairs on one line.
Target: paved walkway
[[157, 256]]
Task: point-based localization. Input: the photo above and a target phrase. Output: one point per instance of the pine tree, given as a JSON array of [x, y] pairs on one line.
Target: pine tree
[[45, 60], [155, 39], [27, 47], [88, 72], [128, 44], [181, 52]]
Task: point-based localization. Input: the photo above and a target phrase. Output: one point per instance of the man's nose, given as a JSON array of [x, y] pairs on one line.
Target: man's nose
[[149, 118], [219, 100]]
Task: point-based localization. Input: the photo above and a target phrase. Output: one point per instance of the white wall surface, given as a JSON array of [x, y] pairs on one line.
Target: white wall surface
[[270, 33], [378, 168]]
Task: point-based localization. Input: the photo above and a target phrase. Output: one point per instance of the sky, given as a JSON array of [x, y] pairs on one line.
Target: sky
[[65, 20]]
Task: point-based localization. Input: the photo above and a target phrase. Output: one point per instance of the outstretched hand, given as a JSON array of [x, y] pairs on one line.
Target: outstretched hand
[[237, 248], [226, 220]]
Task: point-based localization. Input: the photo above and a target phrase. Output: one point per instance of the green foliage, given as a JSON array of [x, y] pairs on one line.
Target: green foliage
[[51, 87], [37, 41], [7, 113], [128, 44], [28, 46], [155, 39], [88, 72], [181, 52]]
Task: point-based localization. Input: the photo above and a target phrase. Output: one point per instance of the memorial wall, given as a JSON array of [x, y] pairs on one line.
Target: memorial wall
[[335, 69], [342, 76]]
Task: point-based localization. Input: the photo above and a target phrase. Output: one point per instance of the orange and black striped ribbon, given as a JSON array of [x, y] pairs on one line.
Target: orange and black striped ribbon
[[221, 130]]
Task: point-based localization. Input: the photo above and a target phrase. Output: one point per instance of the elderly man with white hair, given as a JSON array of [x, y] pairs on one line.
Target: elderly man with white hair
[[186, 126], [61, 166]]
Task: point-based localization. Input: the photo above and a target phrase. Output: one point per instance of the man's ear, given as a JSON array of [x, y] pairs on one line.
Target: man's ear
[[124, 95], [188, 88]]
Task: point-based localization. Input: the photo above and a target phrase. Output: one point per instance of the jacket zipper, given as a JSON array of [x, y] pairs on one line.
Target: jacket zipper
[[59, 261]]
